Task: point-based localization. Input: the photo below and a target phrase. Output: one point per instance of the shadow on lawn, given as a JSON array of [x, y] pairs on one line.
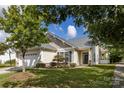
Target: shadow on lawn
[[75, 78]]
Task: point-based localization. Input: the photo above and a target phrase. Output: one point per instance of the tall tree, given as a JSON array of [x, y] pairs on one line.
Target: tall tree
[[25, 26]]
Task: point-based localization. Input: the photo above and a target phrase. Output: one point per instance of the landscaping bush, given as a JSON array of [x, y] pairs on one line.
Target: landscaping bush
[[65, 65], [72, 64], [62, 65], [40, 65], [59, 58], [53, 64]]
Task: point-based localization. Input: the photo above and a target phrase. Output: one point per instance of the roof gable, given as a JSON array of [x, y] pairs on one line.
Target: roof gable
[[59, 41], [81, 43]]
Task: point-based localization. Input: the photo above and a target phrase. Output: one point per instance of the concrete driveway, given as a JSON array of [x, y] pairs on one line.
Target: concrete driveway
[[5, 70], [119, 76], [9, 69]]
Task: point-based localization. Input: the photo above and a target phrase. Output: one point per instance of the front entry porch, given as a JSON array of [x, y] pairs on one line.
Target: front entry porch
[[84, 57]]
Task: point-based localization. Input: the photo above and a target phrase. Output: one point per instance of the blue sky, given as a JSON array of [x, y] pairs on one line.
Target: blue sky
[[67, 29]]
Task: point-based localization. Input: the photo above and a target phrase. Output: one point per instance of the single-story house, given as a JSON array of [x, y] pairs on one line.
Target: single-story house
[[78, 50]]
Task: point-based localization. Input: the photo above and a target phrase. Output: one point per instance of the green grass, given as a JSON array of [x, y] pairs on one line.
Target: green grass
[[4, 65], [3, 78], [99, 76]]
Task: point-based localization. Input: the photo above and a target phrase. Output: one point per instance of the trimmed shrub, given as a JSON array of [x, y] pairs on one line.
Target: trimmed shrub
[[59, 58], [72, 64], [53, 64], [40, 65], [63, 65], [60, 65]]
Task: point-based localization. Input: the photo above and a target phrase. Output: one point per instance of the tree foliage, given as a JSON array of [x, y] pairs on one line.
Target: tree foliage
[[3, 48], [103, 23], [116, 55], [25, 26], [6, 48]]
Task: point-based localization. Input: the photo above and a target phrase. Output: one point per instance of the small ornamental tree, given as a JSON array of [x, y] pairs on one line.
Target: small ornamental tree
[[59, 58], [25, 26]]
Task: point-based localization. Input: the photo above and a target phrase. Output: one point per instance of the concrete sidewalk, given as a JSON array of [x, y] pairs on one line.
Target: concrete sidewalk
[[5, 70], [118, 81]]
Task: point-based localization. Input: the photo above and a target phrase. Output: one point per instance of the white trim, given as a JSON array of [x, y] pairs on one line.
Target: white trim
[[55, 36], [97, 55]]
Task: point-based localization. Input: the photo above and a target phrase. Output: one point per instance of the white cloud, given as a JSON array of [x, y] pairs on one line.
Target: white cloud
[[71, 31], [3, 35]]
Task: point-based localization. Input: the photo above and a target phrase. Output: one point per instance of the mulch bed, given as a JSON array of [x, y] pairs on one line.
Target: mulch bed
[[21, 76]]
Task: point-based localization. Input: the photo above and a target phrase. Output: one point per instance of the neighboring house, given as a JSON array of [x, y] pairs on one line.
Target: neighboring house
[[5, 57], [79, 51]]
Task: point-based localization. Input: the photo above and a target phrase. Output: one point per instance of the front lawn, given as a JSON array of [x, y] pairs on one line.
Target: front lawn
[[90, 77], [4, 65], [4, 78]]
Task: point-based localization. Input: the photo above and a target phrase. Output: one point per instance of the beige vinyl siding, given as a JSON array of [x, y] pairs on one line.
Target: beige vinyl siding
[[47, 56]]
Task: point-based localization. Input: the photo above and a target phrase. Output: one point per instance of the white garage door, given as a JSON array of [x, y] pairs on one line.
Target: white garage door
[[31, 59]]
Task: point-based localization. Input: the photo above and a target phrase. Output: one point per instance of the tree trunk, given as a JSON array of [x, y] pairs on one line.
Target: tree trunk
[[23, 62], [10, 58], [23, 67]]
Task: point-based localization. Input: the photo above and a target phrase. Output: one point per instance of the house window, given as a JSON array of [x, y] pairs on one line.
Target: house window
[[66, 55]]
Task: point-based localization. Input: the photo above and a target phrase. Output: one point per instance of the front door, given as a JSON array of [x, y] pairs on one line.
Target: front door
[[85, 58]]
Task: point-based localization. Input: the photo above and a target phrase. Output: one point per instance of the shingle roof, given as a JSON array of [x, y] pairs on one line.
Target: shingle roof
[[62, 39], [48, 46], [80, 43]]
